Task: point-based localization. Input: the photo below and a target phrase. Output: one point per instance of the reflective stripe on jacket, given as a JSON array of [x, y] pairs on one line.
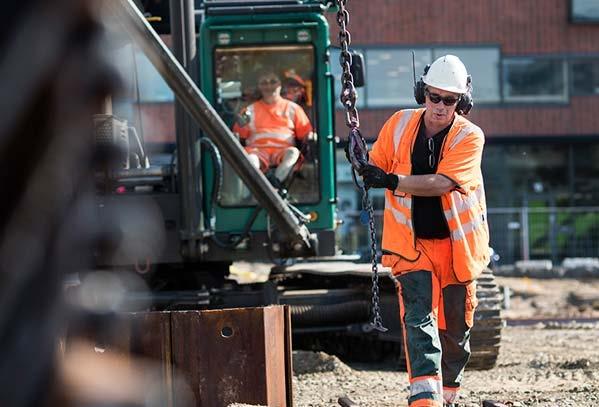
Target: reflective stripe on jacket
[[464, 207], [274, 125]]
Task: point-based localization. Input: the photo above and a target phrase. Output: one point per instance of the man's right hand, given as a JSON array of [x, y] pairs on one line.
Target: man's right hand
[[374, 177]]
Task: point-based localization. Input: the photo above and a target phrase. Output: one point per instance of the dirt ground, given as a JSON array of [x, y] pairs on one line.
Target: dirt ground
[[540, 364]]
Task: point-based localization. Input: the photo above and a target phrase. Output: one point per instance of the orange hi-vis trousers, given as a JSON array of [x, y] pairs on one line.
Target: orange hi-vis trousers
[[437, 312]]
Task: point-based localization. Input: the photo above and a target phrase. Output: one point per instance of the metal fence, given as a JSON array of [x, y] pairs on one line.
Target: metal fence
[[516, 233]]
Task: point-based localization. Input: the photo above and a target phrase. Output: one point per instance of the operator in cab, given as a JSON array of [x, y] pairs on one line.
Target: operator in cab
[[271, 128]]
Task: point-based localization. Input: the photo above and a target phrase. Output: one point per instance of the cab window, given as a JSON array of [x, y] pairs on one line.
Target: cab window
[[245, 78]]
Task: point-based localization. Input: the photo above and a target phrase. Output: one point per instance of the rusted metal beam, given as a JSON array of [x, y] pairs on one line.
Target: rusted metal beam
[[288, 356], [235, 355], [208, 358]]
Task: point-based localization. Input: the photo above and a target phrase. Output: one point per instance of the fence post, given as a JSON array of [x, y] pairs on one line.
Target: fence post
[[553, 232], [524, 235]]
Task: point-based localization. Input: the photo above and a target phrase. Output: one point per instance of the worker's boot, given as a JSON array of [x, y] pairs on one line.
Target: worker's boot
[[275, 182]]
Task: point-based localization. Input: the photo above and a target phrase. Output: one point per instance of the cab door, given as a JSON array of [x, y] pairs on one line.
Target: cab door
[[234, 50]]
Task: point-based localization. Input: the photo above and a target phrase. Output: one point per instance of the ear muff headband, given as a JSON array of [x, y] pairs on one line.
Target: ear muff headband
[[466, 101], [419, 87]]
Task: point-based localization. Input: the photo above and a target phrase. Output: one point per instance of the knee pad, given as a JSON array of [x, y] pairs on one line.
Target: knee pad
[[289, 160]]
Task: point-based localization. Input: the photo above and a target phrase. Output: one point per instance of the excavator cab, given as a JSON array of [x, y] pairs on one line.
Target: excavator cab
[[237, 42]]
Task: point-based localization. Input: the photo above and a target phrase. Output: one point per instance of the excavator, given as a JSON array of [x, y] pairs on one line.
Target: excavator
[[188, 202]]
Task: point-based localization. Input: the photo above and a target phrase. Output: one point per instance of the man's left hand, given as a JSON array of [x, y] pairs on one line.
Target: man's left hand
[[374, 177]]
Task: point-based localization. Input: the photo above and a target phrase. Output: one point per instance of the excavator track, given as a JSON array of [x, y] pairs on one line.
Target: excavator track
[[486, 332]]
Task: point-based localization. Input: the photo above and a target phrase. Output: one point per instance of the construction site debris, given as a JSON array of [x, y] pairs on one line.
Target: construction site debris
[[574, 267], [305, 362]]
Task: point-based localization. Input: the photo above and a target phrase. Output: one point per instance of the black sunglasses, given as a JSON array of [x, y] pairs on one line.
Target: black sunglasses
[[272, 81], [431, 149], [447, 100]]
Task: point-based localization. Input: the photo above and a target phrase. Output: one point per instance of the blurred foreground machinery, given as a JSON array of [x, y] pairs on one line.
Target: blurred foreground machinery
[[53, 77]]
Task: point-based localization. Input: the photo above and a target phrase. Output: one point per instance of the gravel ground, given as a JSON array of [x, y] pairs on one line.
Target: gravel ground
[[541, 365]]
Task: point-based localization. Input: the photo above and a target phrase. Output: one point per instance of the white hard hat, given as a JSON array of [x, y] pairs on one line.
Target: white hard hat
[[447, 73]]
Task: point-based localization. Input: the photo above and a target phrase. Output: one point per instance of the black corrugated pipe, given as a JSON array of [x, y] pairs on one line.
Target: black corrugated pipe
[[323, 314]]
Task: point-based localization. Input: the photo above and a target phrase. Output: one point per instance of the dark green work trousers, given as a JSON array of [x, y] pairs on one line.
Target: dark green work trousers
[[430, 351]]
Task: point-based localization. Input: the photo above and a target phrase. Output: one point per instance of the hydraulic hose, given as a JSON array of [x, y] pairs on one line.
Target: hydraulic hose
[[210, 220], [323, 314], [217, 162]]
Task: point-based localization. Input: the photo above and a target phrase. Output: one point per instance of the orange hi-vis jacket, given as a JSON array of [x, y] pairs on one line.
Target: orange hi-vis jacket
[[274, 125], [464, 207]]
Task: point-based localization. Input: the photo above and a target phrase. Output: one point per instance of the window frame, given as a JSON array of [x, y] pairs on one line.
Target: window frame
[[579, 60], [312, 48], [408, 101], [549, 99], [494, 47]]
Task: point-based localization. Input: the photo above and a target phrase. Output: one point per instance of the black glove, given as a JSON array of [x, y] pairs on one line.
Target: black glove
[[374, 177]]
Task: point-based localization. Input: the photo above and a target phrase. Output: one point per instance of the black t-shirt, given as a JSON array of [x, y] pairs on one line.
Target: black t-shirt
[[427, 211]]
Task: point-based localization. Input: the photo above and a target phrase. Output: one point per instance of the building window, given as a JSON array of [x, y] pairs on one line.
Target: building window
[[534, 80], [585, 165], [152, 88], [336, 71], [145, 101], [585, 77], [544, 172], [390, 78], [584, 11], [514, 171], [483, 65]]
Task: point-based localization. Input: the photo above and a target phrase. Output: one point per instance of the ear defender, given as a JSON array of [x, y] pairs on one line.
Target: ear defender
[[466, 101], [419, 87]]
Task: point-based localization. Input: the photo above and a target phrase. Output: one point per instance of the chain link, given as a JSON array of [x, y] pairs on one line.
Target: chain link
[[349, 95], [348, 99], [377, 322]]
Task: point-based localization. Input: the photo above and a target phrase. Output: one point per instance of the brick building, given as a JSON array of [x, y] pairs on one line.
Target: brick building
[[495, 38], [535, 69]]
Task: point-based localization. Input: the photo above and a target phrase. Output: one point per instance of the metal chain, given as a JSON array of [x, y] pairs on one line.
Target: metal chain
[[348, 99], [349, 95], [377, 322]]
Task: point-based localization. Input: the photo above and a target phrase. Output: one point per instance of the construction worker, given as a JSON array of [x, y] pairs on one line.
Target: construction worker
[[435, 235], [296, 89], [270, 128]]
